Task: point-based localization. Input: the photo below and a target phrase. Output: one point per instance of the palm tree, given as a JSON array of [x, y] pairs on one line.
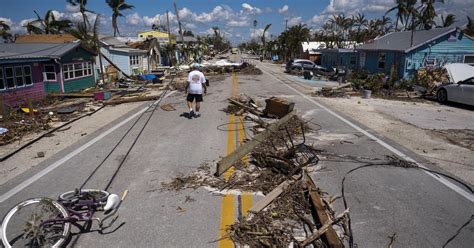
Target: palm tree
[[469, 30], [255, 27], [263, 37], [402, 12], [82, 8], [5, 31], [48, 25], [428, 13], [296, 35], [448, 21], [412, 17], [360, 22], [117, 6]]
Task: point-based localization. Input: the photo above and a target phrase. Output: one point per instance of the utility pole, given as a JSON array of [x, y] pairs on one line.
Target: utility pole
[[286, 24], [179, 23], [168, 27]]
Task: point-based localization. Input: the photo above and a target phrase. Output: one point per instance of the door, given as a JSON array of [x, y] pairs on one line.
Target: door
[[467, 92]]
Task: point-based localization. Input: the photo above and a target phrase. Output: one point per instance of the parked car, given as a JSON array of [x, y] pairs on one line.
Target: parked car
[[460, 89], [299, 65]]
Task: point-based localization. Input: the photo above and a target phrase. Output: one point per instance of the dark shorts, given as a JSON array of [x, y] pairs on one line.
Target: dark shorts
[[191, 97]]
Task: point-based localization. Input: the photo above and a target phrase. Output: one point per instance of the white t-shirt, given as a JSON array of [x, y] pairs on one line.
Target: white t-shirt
[[196, 79]]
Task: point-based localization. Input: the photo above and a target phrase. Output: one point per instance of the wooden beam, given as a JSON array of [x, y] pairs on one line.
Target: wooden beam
[[270, 197], [132, 99], [227, 162], [317, 203], [323, 230]]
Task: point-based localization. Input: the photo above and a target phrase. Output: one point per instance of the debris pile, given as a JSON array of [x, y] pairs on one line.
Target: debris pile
[[274, 162]]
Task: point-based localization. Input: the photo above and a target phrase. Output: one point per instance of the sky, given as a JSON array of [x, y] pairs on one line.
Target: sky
[[233, 17]]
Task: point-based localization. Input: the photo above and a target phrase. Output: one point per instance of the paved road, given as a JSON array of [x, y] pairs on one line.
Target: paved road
[[422, 211]]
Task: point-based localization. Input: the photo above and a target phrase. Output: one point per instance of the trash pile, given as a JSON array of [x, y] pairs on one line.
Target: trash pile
[[274, 162]]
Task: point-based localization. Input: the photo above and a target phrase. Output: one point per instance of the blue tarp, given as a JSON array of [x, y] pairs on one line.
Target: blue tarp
[[147, 77]]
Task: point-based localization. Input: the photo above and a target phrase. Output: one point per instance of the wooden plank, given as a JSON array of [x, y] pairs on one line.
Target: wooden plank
[[72, 95], [132, 99], [324, 230], [270, 197], [227, 162], [317, 203]]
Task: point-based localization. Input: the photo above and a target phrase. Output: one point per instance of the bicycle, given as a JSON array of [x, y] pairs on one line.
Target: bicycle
[[44, 222]]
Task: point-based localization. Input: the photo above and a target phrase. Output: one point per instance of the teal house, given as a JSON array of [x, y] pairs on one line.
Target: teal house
[[32, 70], [406, 52], [339, 58]]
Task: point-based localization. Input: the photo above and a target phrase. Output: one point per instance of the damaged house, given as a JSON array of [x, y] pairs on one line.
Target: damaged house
[[130, 61], [32, 70], [407, 51]]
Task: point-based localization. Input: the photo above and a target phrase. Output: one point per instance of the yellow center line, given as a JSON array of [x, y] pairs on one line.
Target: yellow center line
[[227, 204], [246, 199]]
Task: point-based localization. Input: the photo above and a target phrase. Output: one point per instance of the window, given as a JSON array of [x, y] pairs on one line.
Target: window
[[382, 60], [49, 73], [9, 78], [134, 60], [27, 75], [20, 82], [77, 70], [469, 59], [353, 60], [2, 81]]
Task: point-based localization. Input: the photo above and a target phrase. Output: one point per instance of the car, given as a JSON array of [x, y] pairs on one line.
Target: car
[[460, 89], [299, 65]]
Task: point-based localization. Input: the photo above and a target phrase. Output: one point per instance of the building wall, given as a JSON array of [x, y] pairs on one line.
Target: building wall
[[35, 92], [448, 49], [121, 60], [335, 59], [393, 60]]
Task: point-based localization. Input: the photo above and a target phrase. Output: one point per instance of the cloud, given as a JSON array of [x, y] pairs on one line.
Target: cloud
[[7, 21], [283, 9], [134, 19], [295, 21], [71, 8], [237, 23], [351, 7], [318, 19], [250, 9], [58, 15], [258, 34]]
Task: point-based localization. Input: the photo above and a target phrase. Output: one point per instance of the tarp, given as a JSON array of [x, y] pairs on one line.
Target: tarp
[[459, 72]]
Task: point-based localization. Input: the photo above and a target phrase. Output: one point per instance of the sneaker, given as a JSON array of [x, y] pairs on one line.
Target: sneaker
[[197, 114], [191, 113]]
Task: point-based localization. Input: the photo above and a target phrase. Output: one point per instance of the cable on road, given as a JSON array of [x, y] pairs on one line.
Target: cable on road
[[458, 231], [393, 162], [154, 106]]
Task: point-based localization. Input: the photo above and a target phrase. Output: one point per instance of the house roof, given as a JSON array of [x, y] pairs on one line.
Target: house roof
[[12, 51], [45, 38], [401, 41], [312, 47], [187, 39]]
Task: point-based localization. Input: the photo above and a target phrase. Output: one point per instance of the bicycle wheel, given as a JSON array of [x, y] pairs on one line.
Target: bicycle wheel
[[38, 222], [85, 194]]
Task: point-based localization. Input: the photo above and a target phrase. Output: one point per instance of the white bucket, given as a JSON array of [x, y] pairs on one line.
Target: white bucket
[[367, 94]]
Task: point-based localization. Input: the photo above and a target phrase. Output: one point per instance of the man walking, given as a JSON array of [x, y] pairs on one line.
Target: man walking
[[195, 87]]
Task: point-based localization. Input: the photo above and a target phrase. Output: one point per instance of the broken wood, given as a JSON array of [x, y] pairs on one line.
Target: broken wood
[[270, 197], [64, 105], [132, 99], [324, 229], [251, 110], [72, 95], [227, 162], [317, 203]]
